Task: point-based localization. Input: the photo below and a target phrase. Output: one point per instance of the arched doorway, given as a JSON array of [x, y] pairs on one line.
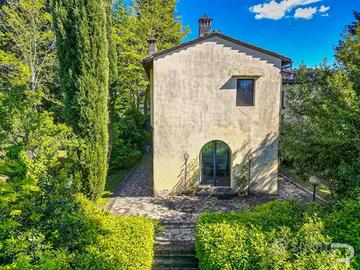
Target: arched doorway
[[215, 158]]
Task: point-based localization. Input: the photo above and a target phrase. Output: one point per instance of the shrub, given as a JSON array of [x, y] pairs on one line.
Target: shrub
[[125, 242], [276, 235], [343, 224], [88, 238], [276, 213], [45, 226], [130, 135]]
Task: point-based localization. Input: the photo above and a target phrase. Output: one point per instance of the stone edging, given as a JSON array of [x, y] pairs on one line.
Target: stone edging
[[112, 200]]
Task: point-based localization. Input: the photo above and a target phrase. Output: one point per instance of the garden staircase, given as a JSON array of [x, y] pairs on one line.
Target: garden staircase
[[175, 248]]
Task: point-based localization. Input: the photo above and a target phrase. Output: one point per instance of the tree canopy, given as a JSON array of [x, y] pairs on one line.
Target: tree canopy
[[323, 134]]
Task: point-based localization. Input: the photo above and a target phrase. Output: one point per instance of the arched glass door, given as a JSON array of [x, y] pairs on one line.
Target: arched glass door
[[215, 164]]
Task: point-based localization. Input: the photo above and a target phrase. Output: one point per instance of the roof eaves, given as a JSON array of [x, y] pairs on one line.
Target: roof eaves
[[284, 60]]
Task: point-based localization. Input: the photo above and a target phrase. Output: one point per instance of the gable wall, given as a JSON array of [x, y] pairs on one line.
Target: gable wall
[[194, 102]]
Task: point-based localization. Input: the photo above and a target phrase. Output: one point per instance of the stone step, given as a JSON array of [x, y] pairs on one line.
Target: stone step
[[174, 268], [176, 232], [174, 252], [175, 255], [175, 249], [184, 245], [168, 224], [220, 192], [171, 237], [175, 261]]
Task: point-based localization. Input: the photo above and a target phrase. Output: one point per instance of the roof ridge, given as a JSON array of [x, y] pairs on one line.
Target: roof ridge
[[285, 60]]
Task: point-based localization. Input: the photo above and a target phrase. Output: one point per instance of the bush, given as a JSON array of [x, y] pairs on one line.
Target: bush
[[88, 238], [343, 224], [46, 224], [276, 213], [125, 242], [130, 135], [276, 235]]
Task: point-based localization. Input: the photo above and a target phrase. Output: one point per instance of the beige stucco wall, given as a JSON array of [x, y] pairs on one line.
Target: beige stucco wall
[[194, 102]]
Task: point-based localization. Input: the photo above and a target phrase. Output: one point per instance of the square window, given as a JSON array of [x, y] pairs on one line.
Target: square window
[[245, 92]]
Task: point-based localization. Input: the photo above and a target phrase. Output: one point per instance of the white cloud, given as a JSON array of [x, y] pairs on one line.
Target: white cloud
[[305, 13], [323, 9], [277, 10]]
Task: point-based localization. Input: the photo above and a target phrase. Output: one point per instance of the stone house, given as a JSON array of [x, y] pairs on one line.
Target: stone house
[[215, 113]]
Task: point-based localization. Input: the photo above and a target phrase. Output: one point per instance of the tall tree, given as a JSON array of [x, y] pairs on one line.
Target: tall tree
[[82, 48], [27, 47], [113, 72], [133, 24], [323, 134]]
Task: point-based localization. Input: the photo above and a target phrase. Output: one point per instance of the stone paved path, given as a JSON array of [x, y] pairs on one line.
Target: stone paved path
[[179, 213], [174, 245], [138, 183]]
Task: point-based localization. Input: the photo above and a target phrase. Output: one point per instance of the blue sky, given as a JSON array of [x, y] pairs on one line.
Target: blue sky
[[304, 30]]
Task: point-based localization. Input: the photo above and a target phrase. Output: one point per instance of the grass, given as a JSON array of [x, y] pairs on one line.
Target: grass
[[114, 179], [322, 190]]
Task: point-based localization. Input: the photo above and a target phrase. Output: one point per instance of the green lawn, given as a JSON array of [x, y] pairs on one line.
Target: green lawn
[[322, 190], [114, 179]]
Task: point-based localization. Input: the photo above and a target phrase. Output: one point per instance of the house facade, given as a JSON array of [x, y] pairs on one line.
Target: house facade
[[215, 113]]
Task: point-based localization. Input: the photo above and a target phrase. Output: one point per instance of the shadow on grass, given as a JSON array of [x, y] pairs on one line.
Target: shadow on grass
[[113, 180]]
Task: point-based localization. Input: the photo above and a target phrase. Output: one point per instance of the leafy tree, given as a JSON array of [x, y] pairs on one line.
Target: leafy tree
[[133, 25], [83, 54], [322, 136], [27, 50]]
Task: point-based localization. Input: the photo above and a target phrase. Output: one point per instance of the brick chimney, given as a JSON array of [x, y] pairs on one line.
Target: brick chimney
[[204, 26], [152, 45]]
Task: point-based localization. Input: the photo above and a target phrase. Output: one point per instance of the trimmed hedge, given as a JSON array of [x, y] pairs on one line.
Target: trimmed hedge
[[97, 241], [276, 235], [343, 224], [125, 242]]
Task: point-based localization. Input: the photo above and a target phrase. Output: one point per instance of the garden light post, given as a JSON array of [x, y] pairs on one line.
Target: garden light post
[[250, 157], [314, 180], [186, 157]]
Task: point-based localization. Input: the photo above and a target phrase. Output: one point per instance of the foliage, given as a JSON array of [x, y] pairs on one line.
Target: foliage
[[84, 77], [132, 137], [276, 214], [27, 51], [45, 225], [126, 242], [321, 132], [83, 238], [343, 224], [129, 97], [133, 26], [266, 238]]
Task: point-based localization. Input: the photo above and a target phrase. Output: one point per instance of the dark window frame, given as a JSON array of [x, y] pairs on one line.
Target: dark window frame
[[253, 91]]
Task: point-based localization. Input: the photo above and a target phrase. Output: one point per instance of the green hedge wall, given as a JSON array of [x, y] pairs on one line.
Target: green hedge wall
[[125, 243], [89, 239], [276, 235]]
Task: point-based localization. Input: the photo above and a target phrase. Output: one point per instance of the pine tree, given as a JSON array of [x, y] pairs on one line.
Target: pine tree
[[82, 49]]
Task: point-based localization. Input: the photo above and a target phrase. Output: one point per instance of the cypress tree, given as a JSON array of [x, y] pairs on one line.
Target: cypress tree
[[113, 74], [82, 48]]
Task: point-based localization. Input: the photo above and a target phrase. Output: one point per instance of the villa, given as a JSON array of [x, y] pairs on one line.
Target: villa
[[215, 112]]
